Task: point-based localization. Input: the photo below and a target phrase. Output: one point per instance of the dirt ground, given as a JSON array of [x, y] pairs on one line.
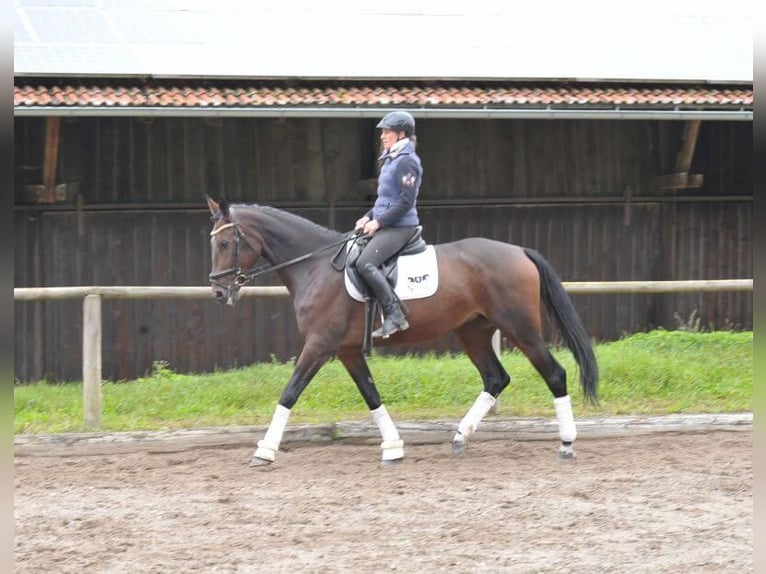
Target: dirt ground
[[666, 502]]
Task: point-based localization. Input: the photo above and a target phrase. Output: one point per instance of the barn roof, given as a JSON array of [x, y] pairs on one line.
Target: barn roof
[[673, 59], [369, 98], [191, 94], [655, 40]]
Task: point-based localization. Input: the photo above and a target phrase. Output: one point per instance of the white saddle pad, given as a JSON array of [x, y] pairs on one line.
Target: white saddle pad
[[417, 277]]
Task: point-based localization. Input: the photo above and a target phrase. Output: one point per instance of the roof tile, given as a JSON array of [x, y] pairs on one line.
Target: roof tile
[[121, 93]]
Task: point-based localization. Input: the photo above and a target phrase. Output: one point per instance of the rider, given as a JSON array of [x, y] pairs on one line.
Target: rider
[[392, 220]]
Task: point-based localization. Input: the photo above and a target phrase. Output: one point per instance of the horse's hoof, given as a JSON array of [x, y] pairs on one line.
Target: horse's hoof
[[566, 454], [458, 447], [258, 461], [392, 462]]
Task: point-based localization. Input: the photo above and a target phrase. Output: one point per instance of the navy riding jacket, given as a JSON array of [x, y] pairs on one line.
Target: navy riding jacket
[[398, 187]]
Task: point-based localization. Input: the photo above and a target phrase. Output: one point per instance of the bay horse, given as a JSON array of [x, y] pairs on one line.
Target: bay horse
[[484, 285]]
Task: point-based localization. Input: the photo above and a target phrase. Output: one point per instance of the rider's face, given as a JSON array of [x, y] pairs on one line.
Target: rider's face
[[389, 138]]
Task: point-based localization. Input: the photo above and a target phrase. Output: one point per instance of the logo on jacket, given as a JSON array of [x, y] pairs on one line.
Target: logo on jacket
[[409, 180]]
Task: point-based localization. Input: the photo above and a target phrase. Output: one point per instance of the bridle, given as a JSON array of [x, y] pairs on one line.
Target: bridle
[[243, 277]]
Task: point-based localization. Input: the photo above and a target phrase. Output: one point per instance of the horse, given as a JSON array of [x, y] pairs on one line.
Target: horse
[[484, 285]]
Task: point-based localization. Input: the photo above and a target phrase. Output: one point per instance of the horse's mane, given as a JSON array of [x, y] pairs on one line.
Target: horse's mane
[[292, 217]]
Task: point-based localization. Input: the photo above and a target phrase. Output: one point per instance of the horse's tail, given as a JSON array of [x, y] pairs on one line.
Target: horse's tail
[[569, 324]]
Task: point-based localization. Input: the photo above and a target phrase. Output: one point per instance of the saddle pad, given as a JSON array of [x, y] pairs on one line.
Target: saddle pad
[[417, 278]]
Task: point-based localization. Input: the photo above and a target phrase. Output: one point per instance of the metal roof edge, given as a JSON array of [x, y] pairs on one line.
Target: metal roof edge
[[375, 112], [389, 79]]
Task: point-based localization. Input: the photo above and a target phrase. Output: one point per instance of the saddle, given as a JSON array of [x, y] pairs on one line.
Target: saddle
[[390, 269], [347, 258]]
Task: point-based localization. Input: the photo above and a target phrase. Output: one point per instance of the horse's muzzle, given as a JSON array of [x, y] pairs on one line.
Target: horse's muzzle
[[228, 294]]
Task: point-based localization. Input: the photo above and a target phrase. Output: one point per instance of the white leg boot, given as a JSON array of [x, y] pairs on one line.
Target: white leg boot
[[567, 428], [471, 421], [268, 447], [392, 445]]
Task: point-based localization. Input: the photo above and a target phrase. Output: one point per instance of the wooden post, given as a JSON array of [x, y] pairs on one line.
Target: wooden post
[[682, 179], [496, 343], [91, 360], [496, 348], [51, 157], [684, 159]]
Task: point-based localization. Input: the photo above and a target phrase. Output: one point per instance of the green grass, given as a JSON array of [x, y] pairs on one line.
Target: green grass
[[654, 373]]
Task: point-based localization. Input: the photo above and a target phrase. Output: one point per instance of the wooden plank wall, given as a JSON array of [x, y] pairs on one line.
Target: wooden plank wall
[[177, 161], [557, 186], [313, 161]]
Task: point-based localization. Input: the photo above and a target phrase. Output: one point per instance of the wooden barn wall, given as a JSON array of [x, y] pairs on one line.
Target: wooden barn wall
[[582, 193], [179, 161]]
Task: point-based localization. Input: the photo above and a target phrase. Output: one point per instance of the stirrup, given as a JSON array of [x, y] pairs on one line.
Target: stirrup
[[389, 327]]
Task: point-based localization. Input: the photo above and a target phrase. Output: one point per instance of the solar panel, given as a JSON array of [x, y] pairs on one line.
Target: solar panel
[[160, 26], [59, 3], [20, 33], [70, 26], [40, 59], [591, 39]]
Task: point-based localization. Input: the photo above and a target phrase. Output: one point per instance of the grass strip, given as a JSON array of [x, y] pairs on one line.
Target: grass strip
[[659, 372]]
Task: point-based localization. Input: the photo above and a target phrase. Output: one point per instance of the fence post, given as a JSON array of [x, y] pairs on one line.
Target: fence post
[[91, 360], [496, 348]]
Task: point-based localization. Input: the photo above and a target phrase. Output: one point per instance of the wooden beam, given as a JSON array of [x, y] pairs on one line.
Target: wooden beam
[[628, 195], [48, 191], [195, 292], [682, 179], [684, 159], [52, 125]]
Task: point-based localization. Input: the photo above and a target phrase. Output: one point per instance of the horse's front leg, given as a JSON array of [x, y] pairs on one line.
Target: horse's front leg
[[392, 445], [308, 364], [476, 339]]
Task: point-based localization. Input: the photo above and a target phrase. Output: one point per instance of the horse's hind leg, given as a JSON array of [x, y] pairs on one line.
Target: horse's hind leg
[[476, 339], [392, 445], [536, 350]]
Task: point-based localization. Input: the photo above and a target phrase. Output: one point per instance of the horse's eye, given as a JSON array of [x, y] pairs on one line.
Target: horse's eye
[[224, 244]]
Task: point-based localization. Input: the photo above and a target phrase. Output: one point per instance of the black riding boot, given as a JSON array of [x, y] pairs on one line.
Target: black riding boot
[[394, 318]]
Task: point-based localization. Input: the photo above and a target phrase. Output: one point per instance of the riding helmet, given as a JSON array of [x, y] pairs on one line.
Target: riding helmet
[[398, 121]]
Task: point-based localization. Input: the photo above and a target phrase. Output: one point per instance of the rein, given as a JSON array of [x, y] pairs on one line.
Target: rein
[[242, 278]]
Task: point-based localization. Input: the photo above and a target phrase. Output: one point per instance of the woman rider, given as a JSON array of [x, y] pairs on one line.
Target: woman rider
[[392, 220]]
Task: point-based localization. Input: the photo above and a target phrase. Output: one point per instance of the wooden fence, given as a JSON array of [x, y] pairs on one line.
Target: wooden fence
[[92, 296]]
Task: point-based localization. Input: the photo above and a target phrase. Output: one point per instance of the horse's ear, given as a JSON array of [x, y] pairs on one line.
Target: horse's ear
[[222, 206], [214, 209]]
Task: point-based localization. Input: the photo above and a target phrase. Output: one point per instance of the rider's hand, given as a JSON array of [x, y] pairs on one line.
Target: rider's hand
[[371, 227], [361, 222]]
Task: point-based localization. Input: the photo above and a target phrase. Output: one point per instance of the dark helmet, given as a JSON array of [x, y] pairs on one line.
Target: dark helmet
[[399, 122]]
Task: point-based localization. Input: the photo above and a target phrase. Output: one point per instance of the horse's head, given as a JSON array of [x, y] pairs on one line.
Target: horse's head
[[232, 253]]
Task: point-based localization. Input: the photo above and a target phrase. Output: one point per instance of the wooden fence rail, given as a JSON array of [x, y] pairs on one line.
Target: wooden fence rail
[[92, 296]]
